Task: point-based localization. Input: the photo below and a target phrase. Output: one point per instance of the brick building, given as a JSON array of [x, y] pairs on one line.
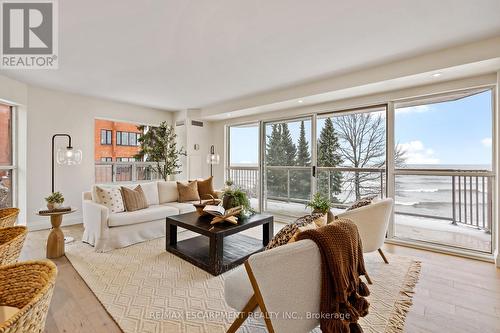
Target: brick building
[[115, 141], [5, 135]]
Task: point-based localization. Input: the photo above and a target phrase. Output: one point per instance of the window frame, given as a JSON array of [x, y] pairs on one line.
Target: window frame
[[12, 168], [108, 134]]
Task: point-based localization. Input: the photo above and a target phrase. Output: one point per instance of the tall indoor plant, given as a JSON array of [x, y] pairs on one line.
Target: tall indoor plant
[[158, 144]]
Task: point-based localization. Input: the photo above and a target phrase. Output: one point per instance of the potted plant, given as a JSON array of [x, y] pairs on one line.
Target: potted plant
[[158, 144], [234, 197], [321, 204], [54, 200]]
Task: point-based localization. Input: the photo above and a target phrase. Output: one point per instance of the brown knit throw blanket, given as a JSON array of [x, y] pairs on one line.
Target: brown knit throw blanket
[[342, 291]]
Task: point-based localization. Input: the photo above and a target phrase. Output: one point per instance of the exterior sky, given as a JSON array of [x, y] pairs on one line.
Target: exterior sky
[[449, 133]]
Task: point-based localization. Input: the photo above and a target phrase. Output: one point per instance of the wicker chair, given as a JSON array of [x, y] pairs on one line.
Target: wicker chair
[[8, 217], [27, 286], [11, 243]]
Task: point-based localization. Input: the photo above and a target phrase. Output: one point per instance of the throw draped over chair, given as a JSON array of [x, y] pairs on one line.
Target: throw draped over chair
[[28, 288]]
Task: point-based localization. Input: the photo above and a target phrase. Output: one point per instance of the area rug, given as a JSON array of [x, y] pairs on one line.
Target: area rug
[[146, 289]]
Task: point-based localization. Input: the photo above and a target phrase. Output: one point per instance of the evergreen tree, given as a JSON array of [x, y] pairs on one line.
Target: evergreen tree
[[275, 156], [287, 145], [274, 153], [300, 185], [329, 156], [303, 156]]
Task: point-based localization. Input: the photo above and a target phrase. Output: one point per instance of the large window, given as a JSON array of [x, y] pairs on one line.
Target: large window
[[243, 166], [443, 179], [351, 155], [440, 174], [6, 157]]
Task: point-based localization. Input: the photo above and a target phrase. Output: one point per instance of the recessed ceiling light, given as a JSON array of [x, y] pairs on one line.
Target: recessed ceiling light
[[229, 115], [437, 74], [300, 101]]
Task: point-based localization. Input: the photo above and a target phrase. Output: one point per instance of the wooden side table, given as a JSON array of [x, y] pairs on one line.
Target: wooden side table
[[55, 242]]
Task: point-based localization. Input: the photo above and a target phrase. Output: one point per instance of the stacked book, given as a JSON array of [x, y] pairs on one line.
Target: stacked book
[[55, 210]]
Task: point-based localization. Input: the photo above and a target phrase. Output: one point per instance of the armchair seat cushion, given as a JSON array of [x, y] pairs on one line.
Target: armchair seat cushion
[[152, 213], [237, 288]]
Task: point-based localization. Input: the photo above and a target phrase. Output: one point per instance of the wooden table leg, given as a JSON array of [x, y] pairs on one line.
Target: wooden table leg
[[171, 238], [55, 242], [216, 253], [267, 232]]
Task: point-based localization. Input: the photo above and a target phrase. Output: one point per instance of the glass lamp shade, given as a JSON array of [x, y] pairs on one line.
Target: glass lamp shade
[[213, 159], [69, 156]]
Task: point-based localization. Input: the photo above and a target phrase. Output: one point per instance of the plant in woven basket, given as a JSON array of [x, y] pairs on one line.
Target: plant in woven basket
[[234, 197], [54, 200], [321, 204]]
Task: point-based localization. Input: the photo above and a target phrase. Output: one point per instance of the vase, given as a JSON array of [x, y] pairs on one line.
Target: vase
[[53, 205], [228, 202], [329, 217]]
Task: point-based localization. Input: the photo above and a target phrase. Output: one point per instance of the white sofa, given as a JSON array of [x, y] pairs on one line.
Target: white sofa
[[106, 231]]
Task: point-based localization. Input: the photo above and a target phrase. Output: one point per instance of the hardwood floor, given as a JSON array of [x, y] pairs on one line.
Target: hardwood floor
[[453, 294], [74, 308]]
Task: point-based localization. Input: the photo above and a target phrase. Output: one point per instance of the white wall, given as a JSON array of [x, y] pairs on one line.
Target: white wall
[[194, 165], [51, 112]]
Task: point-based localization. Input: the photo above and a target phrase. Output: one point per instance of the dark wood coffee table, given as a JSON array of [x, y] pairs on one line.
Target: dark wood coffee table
[[219, 247]]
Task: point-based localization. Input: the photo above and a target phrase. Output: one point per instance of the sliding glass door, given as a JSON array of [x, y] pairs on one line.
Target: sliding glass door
[[243, 160], [351, 150], [444, 179], [440, 175], [287, 166]]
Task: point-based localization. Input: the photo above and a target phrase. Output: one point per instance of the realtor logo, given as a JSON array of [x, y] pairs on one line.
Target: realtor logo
[[29, 34]]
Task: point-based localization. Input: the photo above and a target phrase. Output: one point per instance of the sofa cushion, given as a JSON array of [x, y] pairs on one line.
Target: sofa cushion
[[134, 199], [110, 197], [188, 191], [155, 212], [151, 192], [167, 191], [206, 188], [183, 207]]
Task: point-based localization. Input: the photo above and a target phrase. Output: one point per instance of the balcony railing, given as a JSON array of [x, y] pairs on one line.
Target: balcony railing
[[466, 195], [115, 172]]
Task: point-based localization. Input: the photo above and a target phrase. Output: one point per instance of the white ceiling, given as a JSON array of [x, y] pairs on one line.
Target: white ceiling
[[178, 54]]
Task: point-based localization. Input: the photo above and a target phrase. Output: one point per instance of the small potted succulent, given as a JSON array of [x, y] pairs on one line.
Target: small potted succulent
[[321, 204], [54, 200]]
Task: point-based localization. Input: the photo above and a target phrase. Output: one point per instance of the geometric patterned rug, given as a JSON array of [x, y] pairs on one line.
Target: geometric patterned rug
[[146, 289]]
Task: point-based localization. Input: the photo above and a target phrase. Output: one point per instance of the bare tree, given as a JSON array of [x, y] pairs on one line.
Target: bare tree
[[363, 145]]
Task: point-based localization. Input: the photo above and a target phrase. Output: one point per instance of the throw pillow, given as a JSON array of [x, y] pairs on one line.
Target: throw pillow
[[188, 192], [110, 197], [361, 203], [309, 226], [206, 188], [134, 199], [287, 232]]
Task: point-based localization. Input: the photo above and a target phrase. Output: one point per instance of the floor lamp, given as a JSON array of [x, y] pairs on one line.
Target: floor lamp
[[66, 156], [212, 158]]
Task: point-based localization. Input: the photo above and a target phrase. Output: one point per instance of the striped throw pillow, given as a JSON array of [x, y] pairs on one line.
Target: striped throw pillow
[[134, 199]]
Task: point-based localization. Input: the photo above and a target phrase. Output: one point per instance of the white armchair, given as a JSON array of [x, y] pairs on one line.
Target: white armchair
[[284, 281], [372, 222]]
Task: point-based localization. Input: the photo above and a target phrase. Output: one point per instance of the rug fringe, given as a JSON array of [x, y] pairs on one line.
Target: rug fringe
[[404, 302]]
